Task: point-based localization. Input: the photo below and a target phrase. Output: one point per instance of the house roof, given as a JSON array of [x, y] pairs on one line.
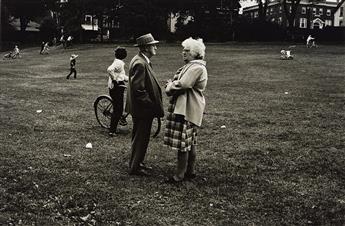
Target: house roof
[[339, 5]]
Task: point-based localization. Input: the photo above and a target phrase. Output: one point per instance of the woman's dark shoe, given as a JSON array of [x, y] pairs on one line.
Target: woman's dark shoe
[[140, 172]]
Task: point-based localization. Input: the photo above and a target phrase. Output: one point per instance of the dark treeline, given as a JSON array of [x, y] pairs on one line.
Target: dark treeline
[[213, 20]]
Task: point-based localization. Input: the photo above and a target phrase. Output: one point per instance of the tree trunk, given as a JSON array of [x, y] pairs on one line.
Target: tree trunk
[[24, 21], [290, 16], [100, 25]]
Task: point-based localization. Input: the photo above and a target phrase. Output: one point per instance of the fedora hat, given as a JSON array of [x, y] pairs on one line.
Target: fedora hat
[[146, 40]]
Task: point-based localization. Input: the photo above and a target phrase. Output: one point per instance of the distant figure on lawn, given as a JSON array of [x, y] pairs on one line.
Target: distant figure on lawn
[[186, 108], [310, 42], [117, 86], [69, 41], [42, 47], [144, 102], [286, 55], [54, 41], [14, 54], [45, 48], [63, 41], [72, 60]]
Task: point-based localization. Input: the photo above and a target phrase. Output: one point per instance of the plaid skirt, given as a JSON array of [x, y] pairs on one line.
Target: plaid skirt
[[179, 134]]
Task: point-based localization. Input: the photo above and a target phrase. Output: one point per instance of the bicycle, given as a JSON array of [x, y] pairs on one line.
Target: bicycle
[[312, 44], [103, 107], [11, 56]]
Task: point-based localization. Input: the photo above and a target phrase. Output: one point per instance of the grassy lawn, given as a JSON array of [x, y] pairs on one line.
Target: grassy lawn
[[279, 161]]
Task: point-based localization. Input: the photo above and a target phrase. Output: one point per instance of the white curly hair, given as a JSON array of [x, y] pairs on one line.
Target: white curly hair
[[196, 46]]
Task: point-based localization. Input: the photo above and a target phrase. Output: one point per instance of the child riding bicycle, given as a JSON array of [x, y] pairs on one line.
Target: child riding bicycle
[[15, 53], [117, 86]]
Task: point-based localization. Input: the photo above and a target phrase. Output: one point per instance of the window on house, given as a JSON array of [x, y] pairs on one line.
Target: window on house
[[303, 22], [115, 24], [256, 14], [341, 11], [304, 10], [321, 11], [314, 11], [340, 23], [88, 19], [328, 22], [328, 12]]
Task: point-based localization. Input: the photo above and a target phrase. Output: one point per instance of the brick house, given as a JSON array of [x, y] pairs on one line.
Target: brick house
[[309, 15], [339, 13]]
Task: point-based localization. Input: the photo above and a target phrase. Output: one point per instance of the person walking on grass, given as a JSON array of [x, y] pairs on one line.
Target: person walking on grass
[[42, 47], [144, 102], [186, 108], [73, 70], [117, 86]]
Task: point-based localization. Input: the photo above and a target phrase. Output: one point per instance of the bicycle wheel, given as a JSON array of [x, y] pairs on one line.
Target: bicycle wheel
[[103, 109]]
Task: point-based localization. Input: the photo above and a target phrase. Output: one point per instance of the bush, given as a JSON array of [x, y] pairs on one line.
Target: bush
[[48, 28]]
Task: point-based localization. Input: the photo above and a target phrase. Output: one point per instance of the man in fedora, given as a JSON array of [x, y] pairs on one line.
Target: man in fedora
[[144, 102]]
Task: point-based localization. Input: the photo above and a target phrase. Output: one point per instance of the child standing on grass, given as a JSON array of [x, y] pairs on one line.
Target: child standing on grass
[[72, 66], [117, 86]]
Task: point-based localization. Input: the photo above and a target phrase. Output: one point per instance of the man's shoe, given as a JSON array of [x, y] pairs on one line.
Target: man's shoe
[[144, 166], [112, 134], [140, 172], [189, 176], [171, 180]]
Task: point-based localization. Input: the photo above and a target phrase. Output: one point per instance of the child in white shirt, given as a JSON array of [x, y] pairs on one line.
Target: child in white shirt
[[117, 86], [286, 55]]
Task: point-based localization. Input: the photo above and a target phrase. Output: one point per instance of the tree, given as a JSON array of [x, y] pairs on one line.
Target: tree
[[290, 14], [262, 9], [212, 19], [143, 16], [72, 16], [25, 10], [101, 9], [48, 28]]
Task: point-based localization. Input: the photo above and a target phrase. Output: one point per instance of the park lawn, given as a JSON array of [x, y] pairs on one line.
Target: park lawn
[[279, 161]]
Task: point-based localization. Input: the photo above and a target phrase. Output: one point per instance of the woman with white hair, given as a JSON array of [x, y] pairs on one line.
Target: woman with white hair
[[186, 108]]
